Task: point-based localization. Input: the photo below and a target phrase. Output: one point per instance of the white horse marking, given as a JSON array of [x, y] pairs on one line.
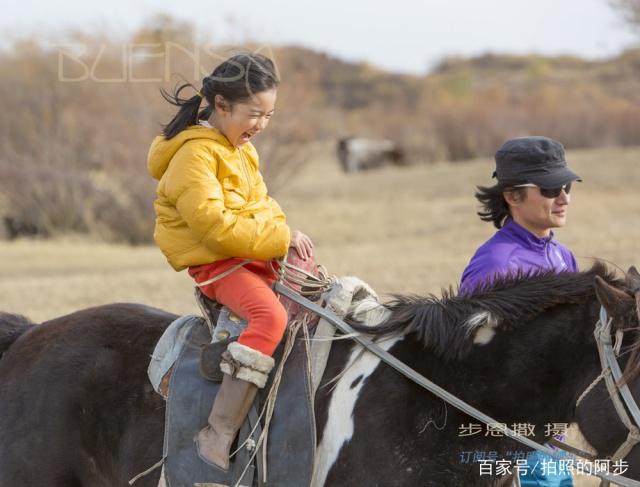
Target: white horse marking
[[339, 428], [482, 325]]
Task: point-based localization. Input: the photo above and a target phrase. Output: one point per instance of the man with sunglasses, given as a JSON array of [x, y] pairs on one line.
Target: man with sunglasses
[[531, 198]]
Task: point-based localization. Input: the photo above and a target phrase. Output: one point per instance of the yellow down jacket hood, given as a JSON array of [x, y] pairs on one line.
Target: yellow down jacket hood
[[211, 201]]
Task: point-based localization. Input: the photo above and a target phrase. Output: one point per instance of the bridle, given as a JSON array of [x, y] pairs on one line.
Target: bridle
[[621, 397]]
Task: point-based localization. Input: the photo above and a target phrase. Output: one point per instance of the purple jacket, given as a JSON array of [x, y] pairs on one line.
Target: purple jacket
[[514, 248]]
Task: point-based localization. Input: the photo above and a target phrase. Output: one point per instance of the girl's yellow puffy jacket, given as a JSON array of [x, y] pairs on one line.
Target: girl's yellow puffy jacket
[[211, 202]]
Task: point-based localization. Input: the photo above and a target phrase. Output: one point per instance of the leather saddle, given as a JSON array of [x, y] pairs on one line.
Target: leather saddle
[[192, 387]]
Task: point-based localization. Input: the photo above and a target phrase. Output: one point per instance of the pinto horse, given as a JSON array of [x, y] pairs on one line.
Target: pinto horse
[[76, 408]]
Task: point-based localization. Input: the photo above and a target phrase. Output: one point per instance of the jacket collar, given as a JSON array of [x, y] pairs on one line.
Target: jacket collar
[[163, 149], [525, 237], [220, 137]]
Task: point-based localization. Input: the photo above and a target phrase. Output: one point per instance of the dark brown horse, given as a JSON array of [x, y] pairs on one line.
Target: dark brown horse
[[76, 408]]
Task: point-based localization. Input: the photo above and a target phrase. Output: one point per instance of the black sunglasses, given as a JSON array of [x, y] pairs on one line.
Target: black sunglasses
[[547, 192]]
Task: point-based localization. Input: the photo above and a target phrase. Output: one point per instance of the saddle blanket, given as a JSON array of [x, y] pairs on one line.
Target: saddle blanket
[[292, 435]]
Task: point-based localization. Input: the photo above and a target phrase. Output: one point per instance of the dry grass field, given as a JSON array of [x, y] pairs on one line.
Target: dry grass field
[[402, 230]]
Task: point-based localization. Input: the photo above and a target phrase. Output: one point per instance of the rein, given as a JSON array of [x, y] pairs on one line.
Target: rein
[[307, 283], [287, 273], [419, 379]]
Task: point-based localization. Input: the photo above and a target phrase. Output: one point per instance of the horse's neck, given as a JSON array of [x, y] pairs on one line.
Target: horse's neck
[[534, 370], [545, 364]]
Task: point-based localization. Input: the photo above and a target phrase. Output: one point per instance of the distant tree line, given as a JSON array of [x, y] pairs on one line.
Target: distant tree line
[[77, 119]]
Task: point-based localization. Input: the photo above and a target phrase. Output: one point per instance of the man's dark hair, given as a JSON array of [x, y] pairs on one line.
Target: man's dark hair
[[494, 207]]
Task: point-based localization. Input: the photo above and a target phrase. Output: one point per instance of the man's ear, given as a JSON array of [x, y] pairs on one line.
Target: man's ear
[[512, 198]]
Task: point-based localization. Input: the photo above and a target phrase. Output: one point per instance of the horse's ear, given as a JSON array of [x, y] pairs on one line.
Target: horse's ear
[[632, 279], [633, 282], [617, 302]]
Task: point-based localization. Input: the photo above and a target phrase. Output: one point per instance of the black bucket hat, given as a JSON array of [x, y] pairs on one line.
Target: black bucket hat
[[535, 160]]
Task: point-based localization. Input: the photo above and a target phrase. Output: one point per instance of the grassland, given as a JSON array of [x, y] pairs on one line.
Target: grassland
[[402, 230]]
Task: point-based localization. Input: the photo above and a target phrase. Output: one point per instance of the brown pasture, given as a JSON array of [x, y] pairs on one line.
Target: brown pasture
[[402, 230]]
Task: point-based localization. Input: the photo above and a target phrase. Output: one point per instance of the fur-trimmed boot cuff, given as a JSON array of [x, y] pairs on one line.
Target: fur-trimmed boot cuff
[[242, 362]]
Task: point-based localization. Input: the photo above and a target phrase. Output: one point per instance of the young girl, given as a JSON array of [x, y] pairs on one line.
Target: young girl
[[213, 215]]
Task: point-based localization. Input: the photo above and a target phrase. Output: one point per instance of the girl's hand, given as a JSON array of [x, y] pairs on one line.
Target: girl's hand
[[302, 244]]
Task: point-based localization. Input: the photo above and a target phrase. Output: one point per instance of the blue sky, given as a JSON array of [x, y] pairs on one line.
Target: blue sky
[[400, 35]]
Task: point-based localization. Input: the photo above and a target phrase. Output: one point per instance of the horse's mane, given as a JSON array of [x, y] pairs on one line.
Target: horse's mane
[[11, 327], [446, 324]]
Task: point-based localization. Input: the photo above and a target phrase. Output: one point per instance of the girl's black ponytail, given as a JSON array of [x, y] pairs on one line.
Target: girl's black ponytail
[[188, 113]]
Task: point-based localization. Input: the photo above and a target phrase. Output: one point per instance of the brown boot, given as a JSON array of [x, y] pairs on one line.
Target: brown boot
[[244, 370], [230, 407]]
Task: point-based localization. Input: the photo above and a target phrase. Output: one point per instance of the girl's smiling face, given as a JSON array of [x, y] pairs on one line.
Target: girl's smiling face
[[239, 122]]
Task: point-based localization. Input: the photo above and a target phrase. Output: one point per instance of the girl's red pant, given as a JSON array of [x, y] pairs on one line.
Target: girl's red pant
[[247, 292]]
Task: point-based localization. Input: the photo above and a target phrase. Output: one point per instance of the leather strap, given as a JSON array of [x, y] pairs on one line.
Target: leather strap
[[419, 379]]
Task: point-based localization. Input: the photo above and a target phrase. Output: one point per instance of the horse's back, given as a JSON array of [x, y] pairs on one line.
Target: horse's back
[[73, 391]]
